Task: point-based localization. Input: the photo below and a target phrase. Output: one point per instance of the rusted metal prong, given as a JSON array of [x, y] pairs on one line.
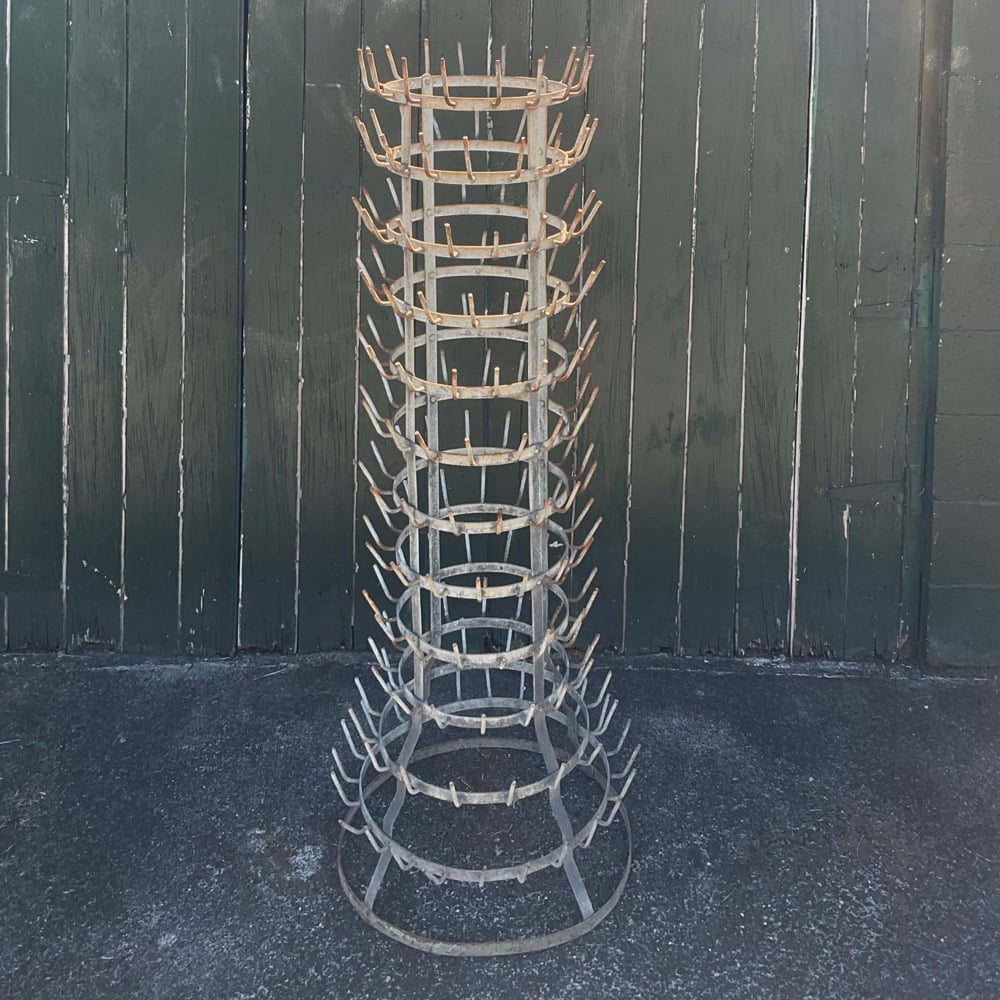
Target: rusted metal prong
[[365, 216], [499, 85], [365, 82], [569, 66], [448, 99], [432, 316], [452, 252], [392, 62], [425, 153], [376, 158], [408, 94], [577, 88], [532, 102], [377, 86], [468, 159], [470, 300], [522, 146], [385, 299]]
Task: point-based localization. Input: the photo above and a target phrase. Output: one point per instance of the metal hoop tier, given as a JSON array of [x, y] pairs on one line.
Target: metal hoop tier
[[486, 526]]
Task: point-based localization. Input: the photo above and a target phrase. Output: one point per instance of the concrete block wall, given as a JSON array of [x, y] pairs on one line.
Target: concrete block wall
[[964, 595]]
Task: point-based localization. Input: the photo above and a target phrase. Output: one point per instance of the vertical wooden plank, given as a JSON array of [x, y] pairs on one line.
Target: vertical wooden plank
[[275, 71], [708, 592], [827, 357], [97, 77], [210, 435], [612, 170], [510, 30], [37, 118], [882, 316], [935, 220], [5, 340], [155, 186], [664, 289], [329, 290], [398, 25], [781, 139], [34, 611]]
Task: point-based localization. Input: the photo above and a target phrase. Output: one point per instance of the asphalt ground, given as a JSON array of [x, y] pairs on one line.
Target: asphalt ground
[[168, 830]]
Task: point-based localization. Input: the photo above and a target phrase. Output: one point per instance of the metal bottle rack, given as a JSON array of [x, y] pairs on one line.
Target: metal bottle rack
[[483, 622]]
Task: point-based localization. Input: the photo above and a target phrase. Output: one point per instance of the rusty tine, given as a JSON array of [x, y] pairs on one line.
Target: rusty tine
[[432, 316], [376, 158], [569, 65], [383, 300], [365, 82], [419, 438], [554, 131], [569, 199], [471, 300], [428, 169], [448, 99], [377, 85], [581, 137], [573, 70], [380, 135], [392, 62], [407, 93], [536, 246], [468, 159], [452, 252], [579, 264], [581, 85], [522, 146], [499, 76], [532, 102]]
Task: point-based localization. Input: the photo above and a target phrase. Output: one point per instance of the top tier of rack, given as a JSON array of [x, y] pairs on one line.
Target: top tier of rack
[[464, 92]]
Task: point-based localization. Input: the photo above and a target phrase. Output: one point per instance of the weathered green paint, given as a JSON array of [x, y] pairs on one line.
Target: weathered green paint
[[663, 293], [718, 314], [97, 246], [155, 191], [34, 548], [827, 357], [212, 351], [271, 330], [612, 170], [329, 287], [222, 443], [781, 139], [882, 317], [35, 253]]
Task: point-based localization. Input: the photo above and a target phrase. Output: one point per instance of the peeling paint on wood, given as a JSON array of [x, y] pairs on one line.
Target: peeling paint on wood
[[190, 454]]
